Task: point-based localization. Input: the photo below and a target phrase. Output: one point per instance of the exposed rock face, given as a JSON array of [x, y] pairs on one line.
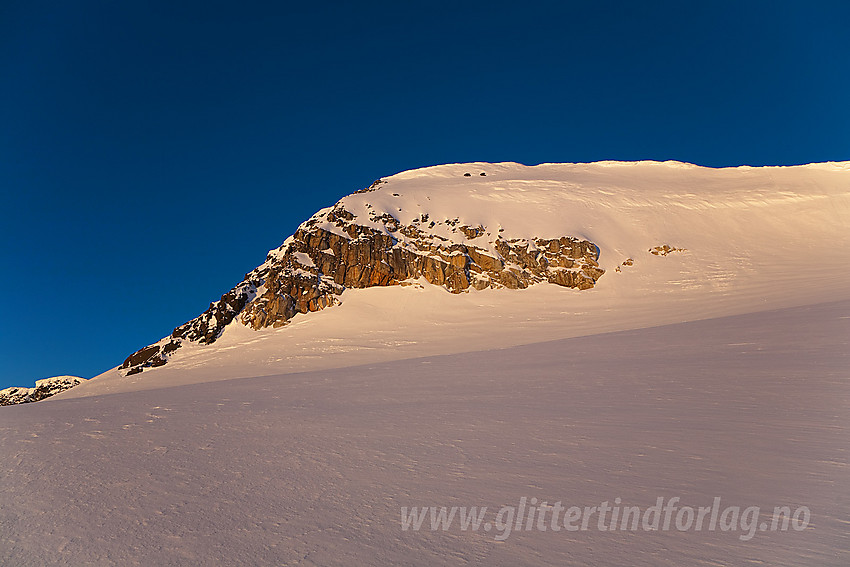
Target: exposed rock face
[[665, 249], [43, 389], [335, 250]]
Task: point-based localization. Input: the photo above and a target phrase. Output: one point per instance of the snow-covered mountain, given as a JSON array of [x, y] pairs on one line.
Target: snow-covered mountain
[[581, 335], [379, 237], [504, 254], [43, 389]]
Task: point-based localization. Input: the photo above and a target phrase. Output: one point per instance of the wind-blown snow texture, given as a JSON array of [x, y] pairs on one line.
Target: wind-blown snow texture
[[312, 468], [413, 396]]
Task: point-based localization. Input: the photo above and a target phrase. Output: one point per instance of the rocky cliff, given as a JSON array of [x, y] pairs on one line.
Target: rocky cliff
[[337, 249], [43, 389]]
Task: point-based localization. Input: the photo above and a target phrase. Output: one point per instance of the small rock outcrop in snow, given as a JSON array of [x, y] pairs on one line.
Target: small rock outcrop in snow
[[664, 250], [43, 389], [338, 249]]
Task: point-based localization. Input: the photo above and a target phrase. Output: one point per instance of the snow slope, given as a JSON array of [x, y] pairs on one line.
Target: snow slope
[[313, 468], [334, 424], [753, 239]]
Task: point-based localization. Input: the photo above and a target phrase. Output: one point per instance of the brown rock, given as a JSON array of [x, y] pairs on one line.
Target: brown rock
[[362, 256]]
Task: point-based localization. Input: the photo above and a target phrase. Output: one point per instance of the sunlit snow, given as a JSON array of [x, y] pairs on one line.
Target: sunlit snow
[[716, 371]]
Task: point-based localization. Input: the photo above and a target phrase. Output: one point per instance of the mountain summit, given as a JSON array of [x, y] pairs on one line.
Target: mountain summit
[[466, 257], [43, 389], [447, 338], [380, 237]]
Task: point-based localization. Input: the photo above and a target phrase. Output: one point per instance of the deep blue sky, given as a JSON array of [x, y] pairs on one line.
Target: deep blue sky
[[150, 154]]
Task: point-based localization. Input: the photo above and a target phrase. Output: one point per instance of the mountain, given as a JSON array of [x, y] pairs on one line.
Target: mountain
[[557, 250], [472, 364], [378, 237], [43, 389]]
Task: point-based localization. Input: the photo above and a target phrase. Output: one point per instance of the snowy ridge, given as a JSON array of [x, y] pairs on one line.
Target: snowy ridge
[[43, 389], [737, 240], [380, 245]]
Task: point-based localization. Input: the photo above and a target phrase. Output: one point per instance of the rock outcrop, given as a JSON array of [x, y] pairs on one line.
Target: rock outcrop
[[335, 250], [43, 389], [665, 249]]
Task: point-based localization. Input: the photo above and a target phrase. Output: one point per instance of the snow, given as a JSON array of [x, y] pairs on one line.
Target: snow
[[755, 239], [17, 394], [65, 379], [313, 468], [304, 260], [718, 371]]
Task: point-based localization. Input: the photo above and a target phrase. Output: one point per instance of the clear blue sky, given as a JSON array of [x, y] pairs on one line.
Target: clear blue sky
[[152, 152]]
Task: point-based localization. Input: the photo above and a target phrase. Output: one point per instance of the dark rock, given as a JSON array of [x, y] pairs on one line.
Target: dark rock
[[665, 249], [318, 263], [141, 356], [472, 232], [43, 389]]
